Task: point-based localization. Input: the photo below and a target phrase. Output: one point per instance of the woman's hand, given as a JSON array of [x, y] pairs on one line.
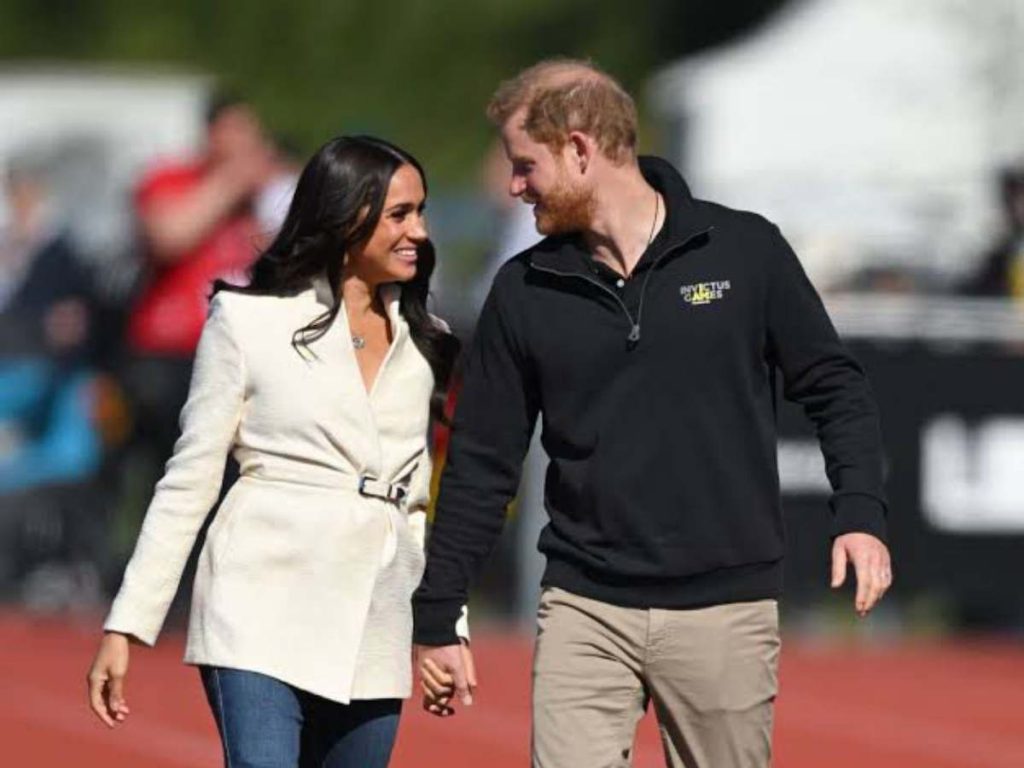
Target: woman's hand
[[106, 679], [438, 689]]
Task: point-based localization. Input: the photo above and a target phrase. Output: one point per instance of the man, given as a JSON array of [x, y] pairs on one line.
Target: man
[[646, 330]]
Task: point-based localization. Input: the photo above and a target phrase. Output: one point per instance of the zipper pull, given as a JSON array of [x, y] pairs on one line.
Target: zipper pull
[[634, 334]]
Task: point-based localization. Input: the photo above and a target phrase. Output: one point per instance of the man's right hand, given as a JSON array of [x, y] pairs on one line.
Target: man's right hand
[[446, 670]]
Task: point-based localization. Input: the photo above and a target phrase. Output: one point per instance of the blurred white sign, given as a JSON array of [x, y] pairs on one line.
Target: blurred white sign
[[972, 476], [802, 467]]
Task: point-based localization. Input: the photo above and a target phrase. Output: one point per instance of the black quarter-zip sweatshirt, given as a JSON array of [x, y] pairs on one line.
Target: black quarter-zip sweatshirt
[[657, 398]]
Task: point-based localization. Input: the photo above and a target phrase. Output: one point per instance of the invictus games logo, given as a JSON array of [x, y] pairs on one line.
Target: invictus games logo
[[699, 294]]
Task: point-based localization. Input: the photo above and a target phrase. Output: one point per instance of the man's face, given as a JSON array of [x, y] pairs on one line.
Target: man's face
[[541, 178]]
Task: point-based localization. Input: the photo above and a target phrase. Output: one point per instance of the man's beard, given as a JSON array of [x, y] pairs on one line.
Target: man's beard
[[564, 210]]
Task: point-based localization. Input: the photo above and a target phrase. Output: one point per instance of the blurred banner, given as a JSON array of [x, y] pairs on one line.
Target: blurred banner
[[949, 388]]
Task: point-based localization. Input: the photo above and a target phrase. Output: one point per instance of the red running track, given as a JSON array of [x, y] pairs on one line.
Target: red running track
[[905, 705]]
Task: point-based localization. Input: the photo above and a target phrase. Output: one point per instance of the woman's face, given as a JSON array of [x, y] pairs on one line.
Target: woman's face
[[390, 254]]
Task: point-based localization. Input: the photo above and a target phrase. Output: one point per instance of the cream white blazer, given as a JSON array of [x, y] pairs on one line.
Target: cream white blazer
[[302, 576]]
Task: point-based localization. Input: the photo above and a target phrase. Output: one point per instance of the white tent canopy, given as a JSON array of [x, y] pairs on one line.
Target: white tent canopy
[[870, 130]]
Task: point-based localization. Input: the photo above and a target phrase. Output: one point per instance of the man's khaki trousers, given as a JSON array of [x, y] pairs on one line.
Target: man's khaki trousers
[[710, 672]]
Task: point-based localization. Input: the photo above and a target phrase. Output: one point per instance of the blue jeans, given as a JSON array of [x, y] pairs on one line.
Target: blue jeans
[[265, 723]]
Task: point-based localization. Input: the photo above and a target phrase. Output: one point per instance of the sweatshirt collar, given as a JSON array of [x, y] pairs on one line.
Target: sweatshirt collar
[[683, 217]]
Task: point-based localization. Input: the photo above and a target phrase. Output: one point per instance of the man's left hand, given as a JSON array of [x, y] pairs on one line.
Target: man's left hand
[[871, 564]]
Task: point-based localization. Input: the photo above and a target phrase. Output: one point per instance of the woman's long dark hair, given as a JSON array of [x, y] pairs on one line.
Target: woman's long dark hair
[[337, 204]]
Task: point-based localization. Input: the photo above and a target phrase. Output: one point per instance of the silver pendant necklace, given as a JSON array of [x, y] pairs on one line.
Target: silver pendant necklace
[[654, 221], [359, 342]]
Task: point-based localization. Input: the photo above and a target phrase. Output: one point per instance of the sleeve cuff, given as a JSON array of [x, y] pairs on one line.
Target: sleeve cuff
[[859, 513], [147, 636], [439, 624], [129, 617], [462, 625]]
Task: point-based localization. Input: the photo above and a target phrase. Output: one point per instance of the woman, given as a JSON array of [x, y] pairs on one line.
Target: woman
[[320, 377]]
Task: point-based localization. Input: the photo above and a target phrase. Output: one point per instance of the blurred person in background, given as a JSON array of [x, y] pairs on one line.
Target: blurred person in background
[[1002, 269], [49, 447], [198, 223], [321, 377], [646, 329], [45, 286]]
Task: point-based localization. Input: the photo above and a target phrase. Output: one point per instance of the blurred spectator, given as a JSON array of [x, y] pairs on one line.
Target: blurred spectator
[[1002, 268], [49, 449], [45, 288], [199, 224]]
